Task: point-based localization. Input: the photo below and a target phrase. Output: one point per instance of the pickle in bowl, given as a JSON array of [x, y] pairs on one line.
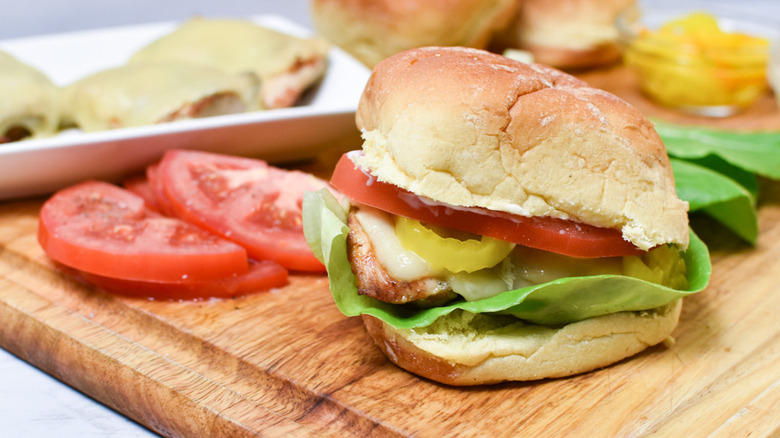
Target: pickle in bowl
[[700, 61]]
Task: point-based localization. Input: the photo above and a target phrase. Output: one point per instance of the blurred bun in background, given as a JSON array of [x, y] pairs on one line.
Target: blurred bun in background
[[372, 30], [566, 34]]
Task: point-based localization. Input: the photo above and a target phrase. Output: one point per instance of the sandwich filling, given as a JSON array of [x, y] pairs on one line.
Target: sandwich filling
[[419, 262], [406, 248], [365, 281]]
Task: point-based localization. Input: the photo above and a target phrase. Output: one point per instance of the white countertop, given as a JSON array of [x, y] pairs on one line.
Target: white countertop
[[33, 404]]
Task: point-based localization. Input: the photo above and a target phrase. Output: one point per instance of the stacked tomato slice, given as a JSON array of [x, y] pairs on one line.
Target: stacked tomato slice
[[197, 225], [244, 200]]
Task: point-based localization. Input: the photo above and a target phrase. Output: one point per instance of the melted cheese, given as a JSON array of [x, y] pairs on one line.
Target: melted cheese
[[144, 94], [240, 46], [400, 264], [29, 99]]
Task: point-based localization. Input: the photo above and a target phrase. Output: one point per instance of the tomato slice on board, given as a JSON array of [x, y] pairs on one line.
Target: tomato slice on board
[[164, 205], [261, 276], [103, 229], [245, 200], [139, 184], [550, 234]]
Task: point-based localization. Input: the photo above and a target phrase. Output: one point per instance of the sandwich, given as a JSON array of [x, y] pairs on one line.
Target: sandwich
[[503, 222]]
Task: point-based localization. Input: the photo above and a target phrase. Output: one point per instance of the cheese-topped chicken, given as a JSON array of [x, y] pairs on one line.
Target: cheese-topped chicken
[[284, 64], [29, 106], [144, 94]]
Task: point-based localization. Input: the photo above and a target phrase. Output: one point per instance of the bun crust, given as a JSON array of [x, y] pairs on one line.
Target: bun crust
[[567, 34], [471, 128], [466, 349], [371, 30]]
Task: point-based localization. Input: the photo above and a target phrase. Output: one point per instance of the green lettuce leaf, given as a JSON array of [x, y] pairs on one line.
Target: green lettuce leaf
[[748, 180], [718, 196], [557, 302], [756, 152]]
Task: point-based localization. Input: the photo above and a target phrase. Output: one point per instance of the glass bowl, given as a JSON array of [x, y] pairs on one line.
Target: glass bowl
[[712, 64]]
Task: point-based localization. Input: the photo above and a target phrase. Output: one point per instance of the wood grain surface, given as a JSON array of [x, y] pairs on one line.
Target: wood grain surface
[[287, 363]]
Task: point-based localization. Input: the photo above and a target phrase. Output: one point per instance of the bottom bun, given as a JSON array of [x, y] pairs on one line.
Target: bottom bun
[[464, 349]]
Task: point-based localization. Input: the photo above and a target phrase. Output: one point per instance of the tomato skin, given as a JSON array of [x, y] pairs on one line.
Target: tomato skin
[[549, 234], [100, 228], [244, 200], [261, 276], [161, 200]]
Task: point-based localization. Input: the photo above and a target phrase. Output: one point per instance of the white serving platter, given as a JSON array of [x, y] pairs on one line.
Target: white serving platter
[[39, 166]]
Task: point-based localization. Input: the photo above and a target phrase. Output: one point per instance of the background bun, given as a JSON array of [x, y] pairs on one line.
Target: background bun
[[473, 349], [371, 30], [567, 34], [472, 128]]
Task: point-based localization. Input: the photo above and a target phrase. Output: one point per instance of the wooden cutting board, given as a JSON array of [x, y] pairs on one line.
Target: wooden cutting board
[[287, 363]]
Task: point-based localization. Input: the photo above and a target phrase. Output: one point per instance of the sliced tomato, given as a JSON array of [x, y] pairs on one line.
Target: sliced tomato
[[103, 229], [261, 276], [245, 200], [164, 205], [550, 234], [139, 184]]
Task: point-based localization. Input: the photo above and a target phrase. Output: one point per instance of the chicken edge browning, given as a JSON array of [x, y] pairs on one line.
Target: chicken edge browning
[[374, 281]]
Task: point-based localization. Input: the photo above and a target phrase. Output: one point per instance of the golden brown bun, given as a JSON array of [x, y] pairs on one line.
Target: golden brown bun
[[371, 30], [471, 128], [467, 349], [567, 34]]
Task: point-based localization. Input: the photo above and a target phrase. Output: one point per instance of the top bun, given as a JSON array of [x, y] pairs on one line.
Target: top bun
[[371, 30], [567, 34], [471, 128]]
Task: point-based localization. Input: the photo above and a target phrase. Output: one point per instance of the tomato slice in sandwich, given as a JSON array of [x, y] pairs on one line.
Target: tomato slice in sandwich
[[550, 234], [105, 230], [245, 200]]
